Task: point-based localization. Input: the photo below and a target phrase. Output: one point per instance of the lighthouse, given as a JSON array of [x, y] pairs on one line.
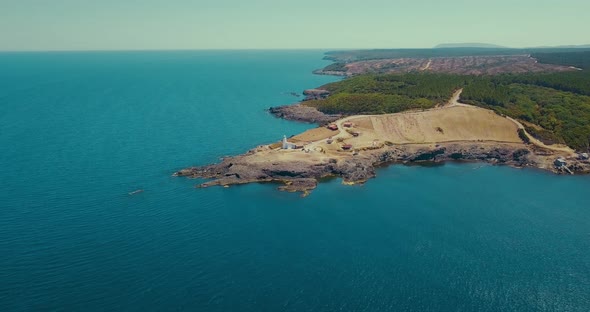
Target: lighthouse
[[287, 144]]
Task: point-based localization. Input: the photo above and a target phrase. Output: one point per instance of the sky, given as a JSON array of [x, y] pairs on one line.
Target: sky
[[278, 24]]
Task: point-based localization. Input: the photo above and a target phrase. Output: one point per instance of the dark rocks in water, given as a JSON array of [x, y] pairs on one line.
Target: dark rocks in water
[[315, 94], [303, 113], [500, 154], [456, 156], [356, 170], [299, 185], [520, 155], [387, 156], [428, 155], [295, 94], [284, 173]]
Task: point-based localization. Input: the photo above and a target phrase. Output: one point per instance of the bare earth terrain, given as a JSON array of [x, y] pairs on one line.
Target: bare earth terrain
[[468, 65]]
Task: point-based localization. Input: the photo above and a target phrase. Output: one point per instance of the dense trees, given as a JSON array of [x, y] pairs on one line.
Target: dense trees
[[369, 103], [579, 59], [379, 94], [339, 67], [558, 103], [436, 87], [563, 115]]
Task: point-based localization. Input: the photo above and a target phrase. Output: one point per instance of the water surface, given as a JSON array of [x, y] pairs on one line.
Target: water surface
[[78, 131]]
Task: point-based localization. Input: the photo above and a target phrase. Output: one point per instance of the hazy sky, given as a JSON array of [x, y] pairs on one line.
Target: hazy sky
[[266, 24]]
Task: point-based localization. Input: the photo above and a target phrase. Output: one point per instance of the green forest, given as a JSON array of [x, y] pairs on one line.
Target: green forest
[[381, 94], [556, 106], [558, 103], [579, 59]]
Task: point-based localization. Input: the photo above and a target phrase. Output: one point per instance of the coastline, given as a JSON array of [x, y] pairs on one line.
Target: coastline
[[476, 135], [263, 164], [401, 138]]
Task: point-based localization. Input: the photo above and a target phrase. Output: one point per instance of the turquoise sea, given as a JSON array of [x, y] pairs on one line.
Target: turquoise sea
[[79, 131]]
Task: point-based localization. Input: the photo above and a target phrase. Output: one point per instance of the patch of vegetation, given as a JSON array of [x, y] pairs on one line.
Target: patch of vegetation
[[522, 135], [579, 59], [563, 115], [338, 67], [380, 94], [368, 103], [544, 135], [559, 103], [577, 82]]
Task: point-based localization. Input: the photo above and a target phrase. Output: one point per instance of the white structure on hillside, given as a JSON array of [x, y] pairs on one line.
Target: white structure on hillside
[[287, 144], [560, 162]]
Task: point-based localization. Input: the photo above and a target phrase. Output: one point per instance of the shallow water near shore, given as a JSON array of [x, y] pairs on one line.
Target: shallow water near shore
[[80, 131]]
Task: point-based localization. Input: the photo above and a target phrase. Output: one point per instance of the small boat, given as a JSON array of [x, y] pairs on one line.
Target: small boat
[[135, 192]]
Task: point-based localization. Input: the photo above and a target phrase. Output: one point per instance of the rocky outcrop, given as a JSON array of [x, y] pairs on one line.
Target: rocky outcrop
[[302, 113], [355, 169], [315, 94], [303, 175], [331, 72]]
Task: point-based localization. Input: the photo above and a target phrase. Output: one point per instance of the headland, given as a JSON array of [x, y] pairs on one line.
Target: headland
[[352, 147], [396, 118]]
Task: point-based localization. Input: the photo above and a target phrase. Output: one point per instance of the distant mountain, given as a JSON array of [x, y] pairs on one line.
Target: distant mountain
[[469, 45]]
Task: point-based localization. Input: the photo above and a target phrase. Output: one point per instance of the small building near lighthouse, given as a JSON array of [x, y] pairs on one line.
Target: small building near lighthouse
[[287, 144]]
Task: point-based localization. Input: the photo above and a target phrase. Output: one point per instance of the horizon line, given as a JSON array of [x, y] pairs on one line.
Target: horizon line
[[572, 46]]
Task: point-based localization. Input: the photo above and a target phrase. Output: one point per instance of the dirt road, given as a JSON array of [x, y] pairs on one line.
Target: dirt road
[[454, 101], [427, 66]]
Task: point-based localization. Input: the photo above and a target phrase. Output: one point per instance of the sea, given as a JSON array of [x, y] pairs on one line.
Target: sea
[[80, 131]]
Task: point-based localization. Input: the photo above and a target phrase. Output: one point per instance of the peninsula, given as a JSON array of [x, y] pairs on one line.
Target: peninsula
[[424, 114]]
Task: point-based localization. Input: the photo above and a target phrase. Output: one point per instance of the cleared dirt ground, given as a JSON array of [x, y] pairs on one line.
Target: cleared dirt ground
[[472, 65], [458, 123], [313, 135]]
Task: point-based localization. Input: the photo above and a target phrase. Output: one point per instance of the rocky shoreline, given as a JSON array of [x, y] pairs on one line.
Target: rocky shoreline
[[303, 113], [331, 73], [303, 175]]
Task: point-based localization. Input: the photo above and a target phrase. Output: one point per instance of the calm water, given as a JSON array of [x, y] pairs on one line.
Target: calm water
[[78, 131]]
